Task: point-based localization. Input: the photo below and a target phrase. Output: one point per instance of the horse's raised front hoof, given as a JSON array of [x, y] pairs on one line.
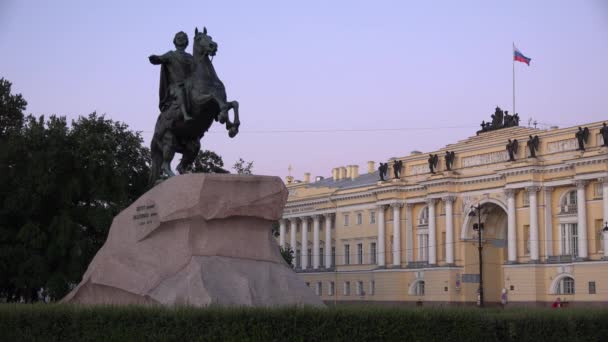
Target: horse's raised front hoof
[[233, 132]]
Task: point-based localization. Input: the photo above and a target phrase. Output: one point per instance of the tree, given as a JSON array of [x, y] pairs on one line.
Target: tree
[[208, 162], [242, 167], [60, 188], [287, 254], [11, 109]]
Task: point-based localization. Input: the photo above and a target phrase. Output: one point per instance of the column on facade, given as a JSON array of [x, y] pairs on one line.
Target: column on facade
[[304, 244], [605, 207], [381, 239], [409, 233], [315, 241], [511, 226], [533, 206], [328, 240], [294, 229], [548, 222], [449, 229], [582, 219], [282, 229], [432, 232], [396, 233], [605, 200]]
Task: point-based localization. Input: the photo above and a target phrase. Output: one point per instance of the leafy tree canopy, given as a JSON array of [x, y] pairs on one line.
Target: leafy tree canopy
[[208, 162], [60, 187], [243, 167]]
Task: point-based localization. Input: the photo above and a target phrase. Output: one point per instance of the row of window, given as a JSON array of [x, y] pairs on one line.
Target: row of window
[[359, 218], [564, 287], [568, 246], [321, 257], [567, 205], [359, 290], [360, 253]]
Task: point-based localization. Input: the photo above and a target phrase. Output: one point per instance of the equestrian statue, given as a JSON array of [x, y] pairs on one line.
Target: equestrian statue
[[192, 97]]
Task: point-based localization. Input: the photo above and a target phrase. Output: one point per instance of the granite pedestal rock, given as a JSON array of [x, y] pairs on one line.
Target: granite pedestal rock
[[197, 240]]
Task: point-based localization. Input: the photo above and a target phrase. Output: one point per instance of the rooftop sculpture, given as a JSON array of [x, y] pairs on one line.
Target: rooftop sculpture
[[500, 119]]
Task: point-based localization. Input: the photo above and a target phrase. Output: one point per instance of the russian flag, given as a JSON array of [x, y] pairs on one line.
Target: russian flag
[[518, 56]]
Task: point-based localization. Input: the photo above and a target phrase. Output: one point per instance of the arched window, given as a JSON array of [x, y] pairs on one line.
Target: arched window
[[568, 203], [417, 288], [565, 286], [420, 288], [423, 217], [423, 234]]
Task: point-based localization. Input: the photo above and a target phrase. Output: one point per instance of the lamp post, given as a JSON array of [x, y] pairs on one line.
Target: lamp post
[[605, 232], [479, 227]]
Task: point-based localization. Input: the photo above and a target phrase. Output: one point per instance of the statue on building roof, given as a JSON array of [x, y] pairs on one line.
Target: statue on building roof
[[500, 119], [382, 170], [433, 159], [397, 168], [449, 160], [512, 149], [582, 135], [497, 118], [604, 133], [533, 144]]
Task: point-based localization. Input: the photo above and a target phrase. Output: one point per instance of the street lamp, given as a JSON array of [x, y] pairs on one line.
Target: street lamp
[[478, 227]]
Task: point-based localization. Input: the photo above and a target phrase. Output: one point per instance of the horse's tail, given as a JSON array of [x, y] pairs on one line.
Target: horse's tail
[[157, 160]]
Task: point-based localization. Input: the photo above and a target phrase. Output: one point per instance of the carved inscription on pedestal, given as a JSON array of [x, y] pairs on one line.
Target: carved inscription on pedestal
[[145, 214], [145, 219]]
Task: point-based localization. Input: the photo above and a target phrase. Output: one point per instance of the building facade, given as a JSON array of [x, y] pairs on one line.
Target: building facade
[[411, 237]]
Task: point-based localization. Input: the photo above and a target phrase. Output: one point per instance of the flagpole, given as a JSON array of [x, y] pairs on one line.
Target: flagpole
[[513, 61]]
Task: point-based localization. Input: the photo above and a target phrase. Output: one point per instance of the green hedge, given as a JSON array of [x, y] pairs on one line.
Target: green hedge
[[363, 323]]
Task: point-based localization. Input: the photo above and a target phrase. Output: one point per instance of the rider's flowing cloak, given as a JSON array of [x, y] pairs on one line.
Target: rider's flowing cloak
[[164, 93]]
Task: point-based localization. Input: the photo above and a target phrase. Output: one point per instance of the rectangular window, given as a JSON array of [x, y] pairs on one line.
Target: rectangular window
[[599, 236], [372, 253], [526, 239], [372, 288], [309, 257], [345, 220], [360, 253], [347, 288], [372, 217], [569, 239], [359, 218], [346, 254], [526, 199], [319, 288], [321, 257], [298, 258], [591, 287], [442, 246], [598, 192], [360, 291], [423, 247], [331, 290], [333, 257]]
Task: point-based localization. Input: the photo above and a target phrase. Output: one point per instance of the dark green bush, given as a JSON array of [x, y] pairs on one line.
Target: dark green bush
[[357, 323]]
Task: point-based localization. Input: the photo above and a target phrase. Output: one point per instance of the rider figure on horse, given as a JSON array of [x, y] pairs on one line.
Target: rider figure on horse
[[176, 68]]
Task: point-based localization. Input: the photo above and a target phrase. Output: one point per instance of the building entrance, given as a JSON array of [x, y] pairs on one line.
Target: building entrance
[[494, 242]]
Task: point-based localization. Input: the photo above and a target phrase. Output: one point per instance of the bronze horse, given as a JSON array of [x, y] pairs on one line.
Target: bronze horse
[[206, 101]]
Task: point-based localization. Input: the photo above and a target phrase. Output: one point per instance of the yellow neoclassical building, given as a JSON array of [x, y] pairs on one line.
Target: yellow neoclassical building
[[411, 237]]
